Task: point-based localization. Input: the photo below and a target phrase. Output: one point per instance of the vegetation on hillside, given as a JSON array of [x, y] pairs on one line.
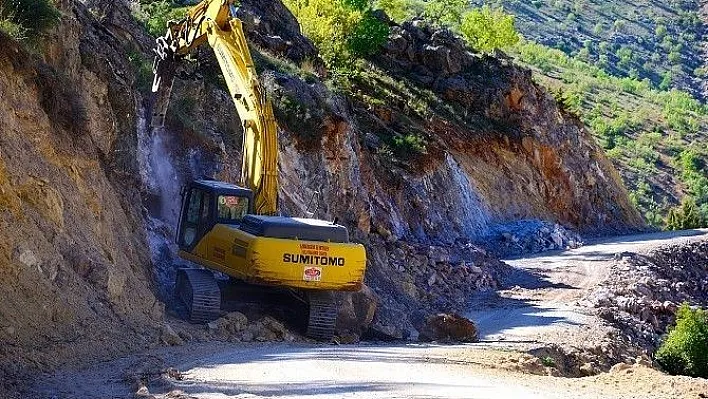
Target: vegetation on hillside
[[685, 348], [657, 40], [342, 30], [655, 137], [485, 28], [25, 20]]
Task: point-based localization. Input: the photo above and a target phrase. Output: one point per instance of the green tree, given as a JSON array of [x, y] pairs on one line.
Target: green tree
[[667, 80], [367, 36], [343, 30], [445, 12], [660, 31], [685, 349], [486, 29]]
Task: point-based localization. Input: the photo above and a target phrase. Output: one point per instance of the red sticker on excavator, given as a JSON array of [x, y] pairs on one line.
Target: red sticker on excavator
[[312, 274], [232, 201]]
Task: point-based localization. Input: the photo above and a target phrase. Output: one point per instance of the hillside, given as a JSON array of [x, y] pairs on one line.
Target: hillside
[[656, 139], [657, 40], [633, 72]]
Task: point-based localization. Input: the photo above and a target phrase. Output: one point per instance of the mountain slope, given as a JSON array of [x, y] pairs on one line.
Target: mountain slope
[[634, 73], [657, 40], [656, 139]]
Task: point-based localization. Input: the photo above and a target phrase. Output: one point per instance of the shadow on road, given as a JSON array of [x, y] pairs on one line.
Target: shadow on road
[[495, 314]]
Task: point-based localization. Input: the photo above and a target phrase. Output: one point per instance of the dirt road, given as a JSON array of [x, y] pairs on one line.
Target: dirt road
[[218, 371], [539, 305], [540, 301]]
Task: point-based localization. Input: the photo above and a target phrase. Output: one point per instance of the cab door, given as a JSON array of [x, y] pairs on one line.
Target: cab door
[[195, 218]]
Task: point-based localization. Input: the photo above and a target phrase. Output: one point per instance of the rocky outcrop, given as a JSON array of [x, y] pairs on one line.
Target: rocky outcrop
[[272, 26], [523, 156]]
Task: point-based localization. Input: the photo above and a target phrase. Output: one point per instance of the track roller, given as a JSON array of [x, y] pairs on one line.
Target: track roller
[[323, 315], [199, 291]]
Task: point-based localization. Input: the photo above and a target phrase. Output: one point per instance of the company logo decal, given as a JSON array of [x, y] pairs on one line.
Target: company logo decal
[[312, 274], [312, 254]]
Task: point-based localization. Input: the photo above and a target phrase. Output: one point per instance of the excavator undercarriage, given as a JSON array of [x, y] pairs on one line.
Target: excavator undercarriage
[[204, 301]]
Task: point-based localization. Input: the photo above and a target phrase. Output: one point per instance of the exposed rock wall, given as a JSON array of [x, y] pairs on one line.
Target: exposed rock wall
[[499, 150], [75, 273]]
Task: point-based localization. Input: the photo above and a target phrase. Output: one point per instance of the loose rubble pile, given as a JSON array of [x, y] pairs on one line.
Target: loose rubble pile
[[530, 236], [233, 327], [585, 360], [417, 280], [643, 291]]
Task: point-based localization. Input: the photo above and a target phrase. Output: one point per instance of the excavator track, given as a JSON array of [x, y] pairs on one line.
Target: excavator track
[[323, 315], [200, 292]]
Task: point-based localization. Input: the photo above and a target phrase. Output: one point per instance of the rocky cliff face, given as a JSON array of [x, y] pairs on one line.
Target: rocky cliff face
[[81, 226], [75, 272]]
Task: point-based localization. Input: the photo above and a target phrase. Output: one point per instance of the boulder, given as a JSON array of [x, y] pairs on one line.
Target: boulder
[[356, 312], [449, 328], [170, 337]]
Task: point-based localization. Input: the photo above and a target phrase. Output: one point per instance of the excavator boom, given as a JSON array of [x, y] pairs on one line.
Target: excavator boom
[[211, 21]]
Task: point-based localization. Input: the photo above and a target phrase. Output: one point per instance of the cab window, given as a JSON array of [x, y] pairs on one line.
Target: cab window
[[196, 218], [231, 209]]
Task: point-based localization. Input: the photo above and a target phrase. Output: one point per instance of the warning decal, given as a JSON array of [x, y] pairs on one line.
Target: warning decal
[[312, 274]]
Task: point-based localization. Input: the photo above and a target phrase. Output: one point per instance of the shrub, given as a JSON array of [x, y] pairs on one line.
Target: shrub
[[685, 349], [27, 18], [686, 216], [16, 31], [409, 144], [486, 29]]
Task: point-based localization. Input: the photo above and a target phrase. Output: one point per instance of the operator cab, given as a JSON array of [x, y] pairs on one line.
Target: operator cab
[[206, 203]]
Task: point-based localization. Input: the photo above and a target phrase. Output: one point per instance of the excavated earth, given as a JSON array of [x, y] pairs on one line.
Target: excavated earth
[[88, 198]]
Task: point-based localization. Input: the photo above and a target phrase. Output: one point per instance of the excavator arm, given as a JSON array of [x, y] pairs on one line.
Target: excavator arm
[[214, 22]]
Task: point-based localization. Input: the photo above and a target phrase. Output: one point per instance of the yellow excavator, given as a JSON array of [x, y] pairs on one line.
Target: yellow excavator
[[236, 229]]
